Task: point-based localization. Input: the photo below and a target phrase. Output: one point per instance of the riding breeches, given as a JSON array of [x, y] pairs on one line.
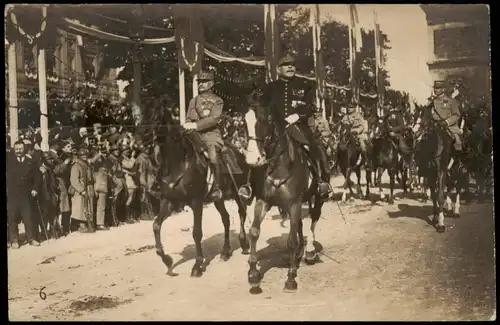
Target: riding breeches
[[319, 156], [213, 157], [363, 141]]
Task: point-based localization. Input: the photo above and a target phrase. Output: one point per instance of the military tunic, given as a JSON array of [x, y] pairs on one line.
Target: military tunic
[[446, 108], [358, 124], [394, 121], [283, 98], [205, 110]]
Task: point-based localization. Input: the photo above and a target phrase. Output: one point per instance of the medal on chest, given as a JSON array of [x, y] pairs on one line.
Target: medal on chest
[[206, 112]]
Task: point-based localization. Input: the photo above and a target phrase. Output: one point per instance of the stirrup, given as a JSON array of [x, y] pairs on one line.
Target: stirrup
[[245, 191]]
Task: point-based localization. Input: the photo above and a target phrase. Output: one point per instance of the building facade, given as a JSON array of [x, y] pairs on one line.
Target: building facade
[[459, 45], [68, 67]]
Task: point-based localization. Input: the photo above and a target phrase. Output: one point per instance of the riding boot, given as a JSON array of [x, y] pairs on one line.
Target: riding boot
[[321, 170], [216, 194]]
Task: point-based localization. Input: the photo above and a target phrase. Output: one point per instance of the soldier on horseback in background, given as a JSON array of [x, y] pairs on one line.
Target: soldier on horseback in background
[[395, 126], [287, 104], [359, 127], [446, 112], [203, 115]]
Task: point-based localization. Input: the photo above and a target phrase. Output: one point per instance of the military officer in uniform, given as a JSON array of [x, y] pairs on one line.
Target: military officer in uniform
[[395, 125], [445, 111], [287, 104], [359, 128], [203, 115]]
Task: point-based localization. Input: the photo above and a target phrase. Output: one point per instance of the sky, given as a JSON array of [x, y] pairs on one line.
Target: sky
[[406, 29]]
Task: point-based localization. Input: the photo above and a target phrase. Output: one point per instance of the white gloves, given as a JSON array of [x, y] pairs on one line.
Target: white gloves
[[292, 118], [190, 126]]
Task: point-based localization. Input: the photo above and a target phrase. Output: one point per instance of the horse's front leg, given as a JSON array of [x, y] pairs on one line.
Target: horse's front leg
[[293, 245], [254, 276], [380, 172], [226, 248], [315, 212], [199, 264], [440, 227], [392, 179], [166, 209], [359, 192], [368, 177], [245, 245]]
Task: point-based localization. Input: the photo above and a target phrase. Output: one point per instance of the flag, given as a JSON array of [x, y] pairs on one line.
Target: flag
[[356, 42], [272, 44], [319, 65], [379, 63], [189, 38]]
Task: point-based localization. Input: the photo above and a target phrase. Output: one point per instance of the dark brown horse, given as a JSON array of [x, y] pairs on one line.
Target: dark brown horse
[[184, 181], [282, 179], [437, 148]]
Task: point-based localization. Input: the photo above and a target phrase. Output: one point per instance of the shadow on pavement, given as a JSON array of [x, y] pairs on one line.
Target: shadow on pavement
[[211, 247], [412, 211]]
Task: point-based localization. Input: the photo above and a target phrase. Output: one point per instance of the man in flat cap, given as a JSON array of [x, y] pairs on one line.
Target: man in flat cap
[[446, 112], [287, 103], [203, 115]]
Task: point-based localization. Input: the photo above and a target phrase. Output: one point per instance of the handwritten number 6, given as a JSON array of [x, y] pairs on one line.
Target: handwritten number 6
[[42, 294]]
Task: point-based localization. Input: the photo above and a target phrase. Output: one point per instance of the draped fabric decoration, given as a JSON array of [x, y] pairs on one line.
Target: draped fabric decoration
[[356, 42], [50, 65], [88, 68], [272, 44], [319, 64], [189, 38], [211, 51], [379, 61], [75, 27]]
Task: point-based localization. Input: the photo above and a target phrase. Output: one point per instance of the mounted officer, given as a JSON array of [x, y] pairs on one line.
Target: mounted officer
[[446, 112], [287, 104], [394, 124], [203, 115], [359, 127]]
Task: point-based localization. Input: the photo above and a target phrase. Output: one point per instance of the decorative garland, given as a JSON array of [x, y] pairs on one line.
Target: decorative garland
[[196, 56], [30, 38]]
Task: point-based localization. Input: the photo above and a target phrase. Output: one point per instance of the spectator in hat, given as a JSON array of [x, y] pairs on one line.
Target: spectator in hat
[[82, 190], [23, 184]]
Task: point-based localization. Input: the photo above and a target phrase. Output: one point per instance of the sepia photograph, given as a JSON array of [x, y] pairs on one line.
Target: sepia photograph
[[249, 162]]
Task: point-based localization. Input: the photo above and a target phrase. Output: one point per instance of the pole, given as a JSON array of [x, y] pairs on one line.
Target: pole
[[195, 85], [182, 97], [312, 21], [42, 87], [13, 117], [137, 77]]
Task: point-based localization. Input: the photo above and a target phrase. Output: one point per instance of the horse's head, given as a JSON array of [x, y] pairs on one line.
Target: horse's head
[[258, 131]]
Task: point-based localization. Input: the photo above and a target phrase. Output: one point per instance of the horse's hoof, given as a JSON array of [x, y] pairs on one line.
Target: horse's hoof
[[390, 201], [310, 258], [225, 256], [440, 229], [196, 272], [290, 286], [367, 197], [254, 278], [245, 251], [456, 216]]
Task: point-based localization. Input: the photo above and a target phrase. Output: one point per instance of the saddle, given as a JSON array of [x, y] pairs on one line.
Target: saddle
[[227, 154]]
